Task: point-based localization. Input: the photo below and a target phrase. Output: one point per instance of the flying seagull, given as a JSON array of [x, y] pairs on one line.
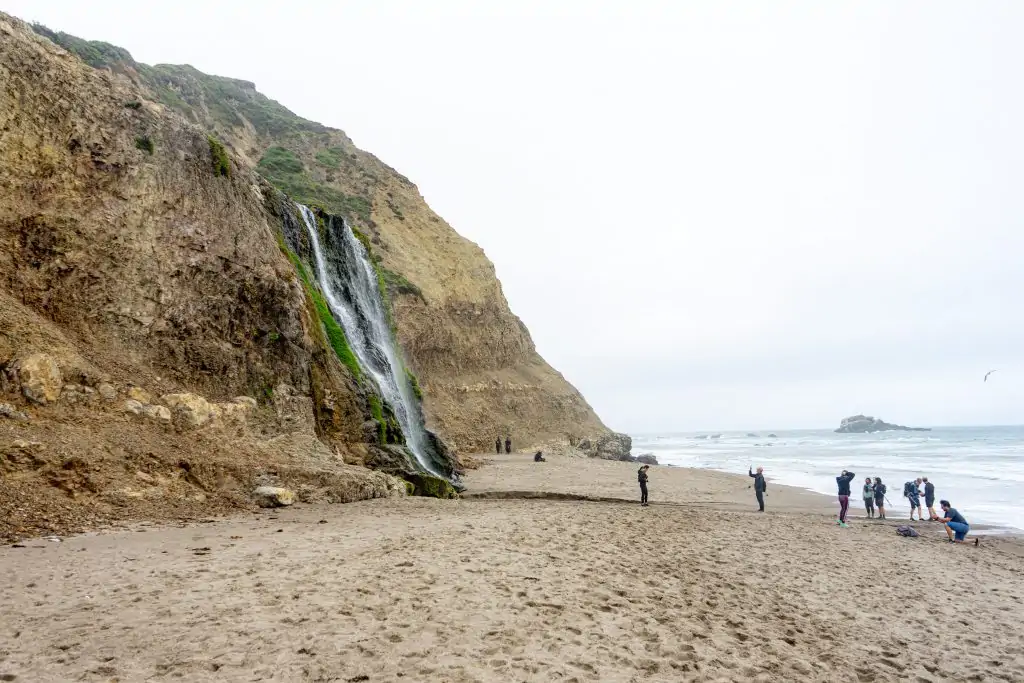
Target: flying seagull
[[987, 374]]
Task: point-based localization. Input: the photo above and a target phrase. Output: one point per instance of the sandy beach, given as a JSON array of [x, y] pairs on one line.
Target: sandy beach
[[488, 588]]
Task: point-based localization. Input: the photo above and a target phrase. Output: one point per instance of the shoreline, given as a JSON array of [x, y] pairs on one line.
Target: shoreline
[[698, 586]]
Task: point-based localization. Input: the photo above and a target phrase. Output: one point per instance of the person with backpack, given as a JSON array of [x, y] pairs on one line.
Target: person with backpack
[[913, 494], [760, 486], [843, 481], [929, 500], [880, 497], [869, 497], [641, 476], [957, 527]]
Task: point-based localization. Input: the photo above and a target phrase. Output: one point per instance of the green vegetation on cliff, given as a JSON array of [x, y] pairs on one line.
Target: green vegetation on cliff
[[221, 163], [285, 171], [335, 335]]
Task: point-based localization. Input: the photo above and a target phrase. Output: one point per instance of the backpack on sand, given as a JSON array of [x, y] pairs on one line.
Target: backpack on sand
[[908, 531], [909, 489]]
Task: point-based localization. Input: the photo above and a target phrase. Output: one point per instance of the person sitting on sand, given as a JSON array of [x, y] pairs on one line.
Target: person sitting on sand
[[957, 527], [880, 497], [760, 486], [641, 476], [869, 497], [843, 482], [929, 499], [539, 457]]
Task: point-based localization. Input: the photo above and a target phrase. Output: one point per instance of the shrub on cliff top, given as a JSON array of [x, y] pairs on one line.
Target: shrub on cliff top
[[221, 163]]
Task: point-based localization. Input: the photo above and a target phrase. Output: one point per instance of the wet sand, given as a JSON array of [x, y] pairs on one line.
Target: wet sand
[[695, 587]]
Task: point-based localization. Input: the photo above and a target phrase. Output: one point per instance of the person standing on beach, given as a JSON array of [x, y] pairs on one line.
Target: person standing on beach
[[929, 499], [912, 492], [880, 497], [869, 497], [843, 481], [760, 486], [641, 476], [508, 444], [957, 527], [497, 445]]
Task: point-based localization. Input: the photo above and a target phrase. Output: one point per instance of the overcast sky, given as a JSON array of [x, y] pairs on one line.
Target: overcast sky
[[711, 215]]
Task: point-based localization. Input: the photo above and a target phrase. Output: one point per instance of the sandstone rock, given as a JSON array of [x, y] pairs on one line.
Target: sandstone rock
[[140, 395], [234, 412], [40, 378], [147, 478], [248, 401], [189, 410], [134, 407], [107, 392], [158, 413], [273, 496], [647, 459], [613, 446], [8, 411]]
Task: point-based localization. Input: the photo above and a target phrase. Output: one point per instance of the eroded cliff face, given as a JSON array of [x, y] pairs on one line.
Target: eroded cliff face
[[481, 374], [147, 297], [131, 272]]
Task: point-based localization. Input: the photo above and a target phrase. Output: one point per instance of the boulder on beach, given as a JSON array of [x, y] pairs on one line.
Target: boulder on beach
[[865, 424]]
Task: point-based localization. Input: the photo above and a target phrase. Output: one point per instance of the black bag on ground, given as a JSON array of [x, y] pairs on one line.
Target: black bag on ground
[[907, 531]]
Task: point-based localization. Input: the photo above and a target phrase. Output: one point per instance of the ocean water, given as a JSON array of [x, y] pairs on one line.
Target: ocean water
[[980, 470]]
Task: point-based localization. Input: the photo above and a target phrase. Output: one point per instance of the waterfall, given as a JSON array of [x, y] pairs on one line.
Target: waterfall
[[354, 298]]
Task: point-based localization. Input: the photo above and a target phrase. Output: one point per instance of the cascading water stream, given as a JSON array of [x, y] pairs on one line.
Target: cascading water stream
[[356, 304]]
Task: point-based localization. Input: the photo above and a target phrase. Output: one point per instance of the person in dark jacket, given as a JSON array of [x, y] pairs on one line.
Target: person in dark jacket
[[539, 457], [760, 486], [929, 499], [843, 481], [508, 444], [880, 497], [497, 445], [641, 476], [957, 527]]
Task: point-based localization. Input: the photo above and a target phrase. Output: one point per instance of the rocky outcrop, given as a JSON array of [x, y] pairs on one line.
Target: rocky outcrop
[[863, 424], [40, 378], [647, 459], [273, 496]]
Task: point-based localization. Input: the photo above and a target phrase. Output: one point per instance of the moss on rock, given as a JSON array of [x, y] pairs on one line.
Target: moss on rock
[[430, 486]]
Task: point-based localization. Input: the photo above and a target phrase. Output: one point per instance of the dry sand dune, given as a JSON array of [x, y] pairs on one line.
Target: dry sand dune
[[518, 590]]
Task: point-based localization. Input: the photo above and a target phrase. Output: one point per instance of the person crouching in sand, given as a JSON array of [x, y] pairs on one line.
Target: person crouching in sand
[[869, 497], [843, 482], [957, 527], [760, 486], [880, 497], [641, 476]]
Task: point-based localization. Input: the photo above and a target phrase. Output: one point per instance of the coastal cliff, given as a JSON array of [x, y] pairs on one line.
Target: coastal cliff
[[161, 353]]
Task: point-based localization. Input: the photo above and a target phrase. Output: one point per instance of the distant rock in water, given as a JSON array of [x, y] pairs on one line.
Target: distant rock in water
[[863, 424], [773, 436], [751, 435]]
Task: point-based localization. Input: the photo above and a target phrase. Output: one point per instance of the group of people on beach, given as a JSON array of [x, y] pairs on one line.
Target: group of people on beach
[[874, 496]]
